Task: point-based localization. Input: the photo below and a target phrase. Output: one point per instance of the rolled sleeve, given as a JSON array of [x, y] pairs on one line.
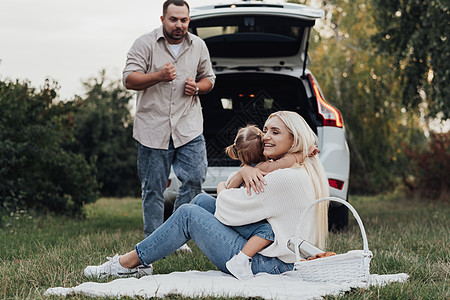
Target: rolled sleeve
[[138, 58], [205, 67]]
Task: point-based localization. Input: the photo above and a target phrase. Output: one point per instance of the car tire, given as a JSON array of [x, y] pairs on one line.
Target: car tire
[[337, 218], [168, 209]]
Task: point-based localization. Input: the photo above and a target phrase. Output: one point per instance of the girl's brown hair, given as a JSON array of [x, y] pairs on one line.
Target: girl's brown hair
[[248, 146]]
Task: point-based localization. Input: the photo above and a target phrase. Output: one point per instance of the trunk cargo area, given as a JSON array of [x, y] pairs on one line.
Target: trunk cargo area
[[244, 98]]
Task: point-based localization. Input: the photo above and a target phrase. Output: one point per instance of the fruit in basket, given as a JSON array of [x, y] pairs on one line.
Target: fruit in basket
[[321, 255]]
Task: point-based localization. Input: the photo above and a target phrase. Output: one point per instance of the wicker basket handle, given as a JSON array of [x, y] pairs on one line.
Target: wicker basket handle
[[335, 199]]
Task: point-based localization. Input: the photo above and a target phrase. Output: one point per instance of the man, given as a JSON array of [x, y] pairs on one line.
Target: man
[[169, 68]]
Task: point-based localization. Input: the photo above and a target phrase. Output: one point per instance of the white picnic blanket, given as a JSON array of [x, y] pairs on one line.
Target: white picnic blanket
[[216, 283]]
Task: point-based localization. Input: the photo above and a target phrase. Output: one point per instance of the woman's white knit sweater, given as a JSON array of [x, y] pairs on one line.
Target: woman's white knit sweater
[[287, 194]]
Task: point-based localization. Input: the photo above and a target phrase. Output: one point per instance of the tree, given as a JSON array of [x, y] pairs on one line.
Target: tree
[[103, 134], [360, 82], [36, 172], [416, 34]]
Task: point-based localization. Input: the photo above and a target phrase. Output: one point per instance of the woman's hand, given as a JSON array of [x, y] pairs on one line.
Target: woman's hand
[[313, 151], [253, 179]]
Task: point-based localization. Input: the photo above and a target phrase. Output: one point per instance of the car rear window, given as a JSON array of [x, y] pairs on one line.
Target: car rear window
[[247, 98], [251, 35]]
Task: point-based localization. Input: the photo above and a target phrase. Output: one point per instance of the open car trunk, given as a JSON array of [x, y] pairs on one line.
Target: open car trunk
[[239, 99], [246, 40], [236, 41]]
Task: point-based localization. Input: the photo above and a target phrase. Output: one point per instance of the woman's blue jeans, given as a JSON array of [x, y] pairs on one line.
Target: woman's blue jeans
[[217, 241]]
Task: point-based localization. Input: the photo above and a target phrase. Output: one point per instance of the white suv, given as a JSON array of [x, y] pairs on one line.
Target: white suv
[[259, 52]]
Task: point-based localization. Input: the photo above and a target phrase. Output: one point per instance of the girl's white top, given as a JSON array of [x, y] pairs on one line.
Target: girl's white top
[[287, 194]]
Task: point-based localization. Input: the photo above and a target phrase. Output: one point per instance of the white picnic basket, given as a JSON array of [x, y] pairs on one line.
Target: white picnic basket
[[350, 267]]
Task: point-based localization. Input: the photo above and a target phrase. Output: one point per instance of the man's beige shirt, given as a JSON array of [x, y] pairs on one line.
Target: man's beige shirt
[[164, 110]]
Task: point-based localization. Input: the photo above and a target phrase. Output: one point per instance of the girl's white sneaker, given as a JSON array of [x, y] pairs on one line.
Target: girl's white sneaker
[[240, 270]]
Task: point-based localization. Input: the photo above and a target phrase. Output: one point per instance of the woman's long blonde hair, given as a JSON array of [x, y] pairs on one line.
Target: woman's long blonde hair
[[305, 139]]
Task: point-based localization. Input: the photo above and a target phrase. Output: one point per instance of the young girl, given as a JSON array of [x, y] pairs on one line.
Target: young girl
[[248, 148]]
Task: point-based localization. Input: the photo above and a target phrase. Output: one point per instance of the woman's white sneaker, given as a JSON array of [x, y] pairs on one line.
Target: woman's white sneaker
[[113, 268]]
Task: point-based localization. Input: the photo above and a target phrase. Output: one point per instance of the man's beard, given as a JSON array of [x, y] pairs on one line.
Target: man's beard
[[175, 37]]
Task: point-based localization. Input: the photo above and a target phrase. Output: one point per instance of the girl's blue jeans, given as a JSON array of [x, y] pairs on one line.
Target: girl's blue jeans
[[217, 241]]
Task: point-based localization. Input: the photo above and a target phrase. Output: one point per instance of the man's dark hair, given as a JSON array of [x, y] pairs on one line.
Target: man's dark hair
[[174, 2]]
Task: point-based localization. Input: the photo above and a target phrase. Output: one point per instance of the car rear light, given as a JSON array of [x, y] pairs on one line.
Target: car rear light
[[168, 183], [337, 184], [331, 116]]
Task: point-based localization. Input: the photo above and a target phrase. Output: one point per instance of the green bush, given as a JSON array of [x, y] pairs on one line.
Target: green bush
[[103, 129], [36, 172]]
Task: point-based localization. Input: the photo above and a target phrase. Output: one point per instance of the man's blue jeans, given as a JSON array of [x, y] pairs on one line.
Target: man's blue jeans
[[189, 164], [217, 241]]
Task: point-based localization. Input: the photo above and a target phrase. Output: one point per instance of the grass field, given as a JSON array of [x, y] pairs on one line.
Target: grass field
[[409, 236]]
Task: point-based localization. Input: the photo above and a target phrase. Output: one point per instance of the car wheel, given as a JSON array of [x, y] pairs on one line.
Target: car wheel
[[168, 209], [337, 218]]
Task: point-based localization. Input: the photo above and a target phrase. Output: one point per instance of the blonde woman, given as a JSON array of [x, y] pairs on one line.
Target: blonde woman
[[282, 197], [248, 148], [299, 139]]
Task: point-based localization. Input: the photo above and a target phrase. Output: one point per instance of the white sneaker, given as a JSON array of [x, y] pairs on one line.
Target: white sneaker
[[242, 271], [113, 268], [184, 248]]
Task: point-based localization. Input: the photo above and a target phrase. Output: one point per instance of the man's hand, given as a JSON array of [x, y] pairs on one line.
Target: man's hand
[[168, 72], [191, 87]]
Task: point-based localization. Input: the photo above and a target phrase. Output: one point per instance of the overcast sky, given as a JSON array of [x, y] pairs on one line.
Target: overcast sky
[[72, 40]]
